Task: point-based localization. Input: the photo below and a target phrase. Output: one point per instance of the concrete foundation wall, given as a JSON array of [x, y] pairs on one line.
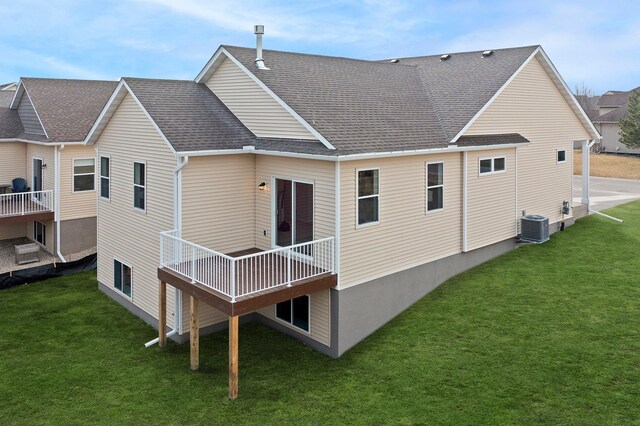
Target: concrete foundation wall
[[77, 235]]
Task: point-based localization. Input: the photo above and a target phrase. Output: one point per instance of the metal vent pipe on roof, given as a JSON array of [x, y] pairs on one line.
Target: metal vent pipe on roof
[[258, 30]]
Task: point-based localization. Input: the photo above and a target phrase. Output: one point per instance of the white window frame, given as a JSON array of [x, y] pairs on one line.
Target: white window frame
[[274, 206], [426, 193], [44, 233], [145, 186], [108, 178], [73, 175], [565, 156], [358, 198], [113, 285], [291, 324], [33, 170], [493, 167]]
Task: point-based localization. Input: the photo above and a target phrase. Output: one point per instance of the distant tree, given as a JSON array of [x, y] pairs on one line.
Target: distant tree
[[630, 125], [585, 97]]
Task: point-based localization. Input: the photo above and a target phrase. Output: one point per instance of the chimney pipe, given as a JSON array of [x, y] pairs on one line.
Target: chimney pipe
[[258, 30]]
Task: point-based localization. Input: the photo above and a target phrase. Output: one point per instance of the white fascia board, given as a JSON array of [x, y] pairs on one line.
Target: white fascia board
[[495, 96], [264, 87], [39, 142], [104, 111], [585, 118], [17, 95], [351, 157]]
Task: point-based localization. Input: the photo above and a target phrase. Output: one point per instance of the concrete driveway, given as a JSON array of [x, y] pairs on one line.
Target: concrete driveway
[[607, 192]]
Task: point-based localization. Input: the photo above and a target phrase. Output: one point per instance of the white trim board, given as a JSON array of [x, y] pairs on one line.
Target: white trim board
[[205, 72]]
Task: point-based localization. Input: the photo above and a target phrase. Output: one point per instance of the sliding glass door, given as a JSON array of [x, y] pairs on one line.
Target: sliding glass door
[[294, 212]]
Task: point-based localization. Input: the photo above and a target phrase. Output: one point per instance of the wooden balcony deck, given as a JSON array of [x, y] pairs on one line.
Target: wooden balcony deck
[[17, 208], [270, 295]]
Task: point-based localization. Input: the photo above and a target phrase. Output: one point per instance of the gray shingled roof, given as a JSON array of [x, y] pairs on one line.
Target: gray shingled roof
[[615, 98], [373, 106], [68, 108], [613, 116], [482, 140], [5, 98], [10, 124]]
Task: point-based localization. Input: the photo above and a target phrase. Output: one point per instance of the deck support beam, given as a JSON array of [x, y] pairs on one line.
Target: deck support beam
[[233, 357], [194, 335], [162, 314]]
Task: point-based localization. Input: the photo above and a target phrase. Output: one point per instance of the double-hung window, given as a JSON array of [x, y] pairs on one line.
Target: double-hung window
[[140, 185], [84, 170], [368, 196], [435, 186], [122, 277], [489, 166], [105, 177]]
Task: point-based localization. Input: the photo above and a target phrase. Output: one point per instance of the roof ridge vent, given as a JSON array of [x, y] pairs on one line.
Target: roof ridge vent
[[445, 57], [487, 53], [258, 30], [394, 61]]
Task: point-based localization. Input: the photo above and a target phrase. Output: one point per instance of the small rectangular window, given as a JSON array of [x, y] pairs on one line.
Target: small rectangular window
[[562, 156], [493, 165], [122, 277], [295, 312], [84, 174], [368, 192], [139, 185], [435, 186], [105, 177]]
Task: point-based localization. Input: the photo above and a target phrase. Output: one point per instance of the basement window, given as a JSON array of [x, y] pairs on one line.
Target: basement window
[[296, 312], [122, 277], [561, 156], [490, 166]]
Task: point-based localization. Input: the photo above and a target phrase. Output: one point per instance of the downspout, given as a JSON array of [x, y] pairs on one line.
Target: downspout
[[464, 202], [177, 225], [56, 199]]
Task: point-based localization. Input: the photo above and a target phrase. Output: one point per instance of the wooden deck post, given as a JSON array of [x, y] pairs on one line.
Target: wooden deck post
[[194, 334], [162, 314], [233, 357]]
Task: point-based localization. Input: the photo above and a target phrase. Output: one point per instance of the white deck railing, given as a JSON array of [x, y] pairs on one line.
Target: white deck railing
[[250, 274], [23, 203]]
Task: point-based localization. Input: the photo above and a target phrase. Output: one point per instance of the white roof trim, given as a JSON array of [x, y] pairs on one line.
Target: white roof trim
[[39, 142], [494, 97], [16, 98], [109, 105], [264, 87]]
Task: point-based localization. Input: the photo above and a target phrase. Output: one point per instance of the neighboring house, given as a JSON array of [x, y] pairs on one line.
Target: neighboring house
[[319, 195], [612, 108], [9, 86], [42, 126]]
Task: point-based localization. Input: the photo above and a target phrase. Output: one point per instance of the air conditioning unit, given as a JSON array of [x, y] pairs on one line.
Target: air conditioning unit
[[534, 229]]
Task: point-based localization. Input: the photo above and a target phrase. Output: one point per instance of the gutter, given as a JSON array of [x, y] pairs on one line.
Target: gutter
[[56, 200]]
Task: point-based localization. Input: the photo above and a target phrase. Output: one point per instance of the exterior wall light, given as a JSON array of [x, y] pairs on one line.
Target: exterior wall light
[[262, 186]]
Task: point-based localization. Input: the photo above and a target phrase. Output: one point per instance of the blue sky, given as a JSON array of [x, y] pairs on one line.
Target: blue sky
[[592, 42]]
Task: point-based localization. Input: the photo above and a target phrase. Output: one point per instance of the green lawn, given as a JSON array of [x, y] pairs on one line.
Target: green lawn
[[545, 334]]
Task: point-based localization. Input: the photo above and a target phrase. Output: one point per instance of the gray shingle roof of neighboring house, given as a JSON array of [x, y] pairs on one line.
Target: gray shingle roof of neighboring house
[[68, 108], [615, 98], [613, 116], [7, 86]]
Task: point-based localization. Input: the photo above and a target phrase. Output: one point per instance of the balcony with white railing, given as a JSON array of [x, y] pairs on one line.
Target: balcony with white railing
[[34, 205], [241, 277]]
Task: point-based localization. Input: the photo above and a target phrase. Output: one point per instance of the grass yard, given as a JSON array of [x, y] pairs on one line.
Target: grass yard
[[609, 165], [546, 334]]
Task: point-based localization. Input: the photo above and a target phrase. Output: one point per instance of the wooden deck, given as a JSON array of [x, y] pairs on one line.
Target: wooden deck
[[11, 211], [244, 272]]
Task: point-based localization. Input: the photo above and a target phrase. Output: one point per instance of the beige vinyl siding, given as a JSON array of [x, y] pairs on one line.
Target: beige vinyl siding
[[611, 139], [406, 236], [28, 116], [47, 154], [79, 204], [254, 107], [13, 161], [320, 324], [218, 202], [128, 235], [491, 200], [532, 106], [13, 231], [320, 173]]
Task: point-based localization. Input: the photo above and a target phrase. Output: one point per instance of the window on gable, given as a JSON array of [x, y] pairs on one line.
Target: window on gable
[[435, 186], [368, 196]]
